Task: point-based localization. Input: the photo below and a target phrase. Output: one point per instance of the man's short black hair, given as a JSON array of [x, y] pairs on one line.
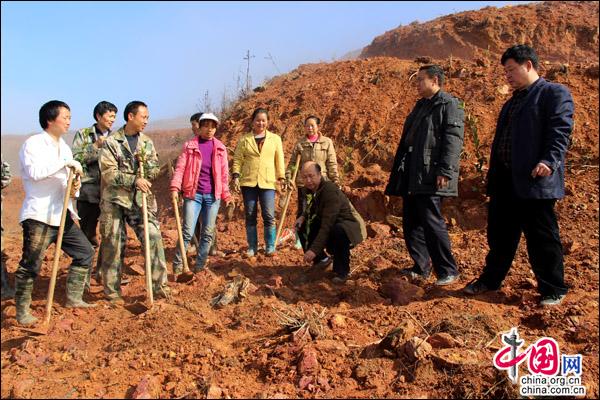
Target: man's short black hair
[[132, 108], [104, 107], [434, 70], [318, 168], [49, 111], [521, 53], [196, 117]]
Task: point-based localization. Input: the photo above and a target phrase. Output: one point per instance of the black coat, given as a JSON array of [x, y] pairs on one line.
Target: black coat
[[540, 132], [328, 207], [438, 142]]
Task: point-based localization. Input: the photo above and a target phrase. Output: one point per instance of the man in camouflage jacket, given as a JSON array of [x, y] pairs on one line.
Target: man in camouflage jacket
[[121, 202], [86, 149], [7, 291]]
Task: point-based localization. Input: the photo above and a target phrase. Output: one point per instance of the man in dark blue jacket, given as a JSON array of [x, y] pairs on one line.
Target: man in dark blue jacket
[[526, 177]]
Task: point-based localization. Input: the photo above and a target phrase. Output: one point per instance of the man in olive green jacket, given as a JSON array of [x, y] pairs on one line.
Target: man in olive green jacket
[[86, 149], [122, 188], [329, 221]]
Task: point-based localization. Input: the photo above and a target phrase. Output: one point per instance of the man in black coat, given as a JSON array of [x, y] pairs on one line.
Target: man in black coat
[[425, 171], [328, 222], [526, 177]]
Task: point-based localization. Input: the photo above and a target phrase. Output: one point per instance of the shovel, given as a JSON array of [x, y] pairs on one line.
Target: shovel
[[141, 307], [287, 202], [42, 329], [186, 275]]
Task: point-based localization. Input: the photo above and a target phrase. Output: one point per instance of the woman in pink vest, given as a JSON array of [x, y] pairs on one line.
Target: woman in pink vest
[[202, 175]]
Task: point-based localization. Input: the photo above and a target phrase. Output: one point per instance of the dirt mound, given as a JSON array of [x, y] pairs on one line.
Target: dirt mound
[[186, 348], [560, 32], [363, 105]]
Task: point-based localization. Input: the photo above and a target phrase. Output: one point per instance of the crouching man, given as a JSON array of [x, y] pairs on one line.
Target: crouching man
[[328, 222], [45, 162]]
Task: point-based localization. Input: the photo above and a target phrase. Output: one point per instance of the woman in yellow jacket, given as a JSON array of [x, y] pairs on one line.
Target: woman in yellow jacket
[[257, 165]]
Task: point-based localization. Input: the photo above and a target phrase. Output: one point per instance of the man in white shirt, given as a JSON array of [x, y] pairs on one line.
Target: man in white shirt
[[45, 160]]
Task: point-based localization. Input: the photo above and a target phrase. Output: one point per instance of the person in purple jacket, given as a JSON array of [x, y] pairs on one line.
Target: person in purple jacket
[[202, 175]]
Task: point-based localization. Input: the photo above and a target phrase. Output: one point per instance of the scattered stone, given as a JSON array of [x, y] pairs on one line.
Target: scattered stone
[[213, 392], [323, 383], [443, 340], [416, 349], [21, 389], [330, 346], [378, 230], [454, 358], [308, 363], [394, 221], [396, 338], [148, 388], [305, 381], [401, 292], [337, 321], [379, 263]]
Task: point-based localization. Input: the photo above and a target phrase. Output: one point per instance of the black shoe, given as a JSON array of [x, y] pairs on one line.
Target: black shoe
[[447, 280], [552, 300], [476, 287], [323, 263], [340, 279]]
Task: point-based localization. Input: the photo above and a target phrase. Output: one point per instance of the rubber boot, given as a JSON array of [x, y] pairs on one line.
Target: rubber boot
[[23, 289], [252, 237], [75, 286], [298, 243], [7, 291], [270, 233]]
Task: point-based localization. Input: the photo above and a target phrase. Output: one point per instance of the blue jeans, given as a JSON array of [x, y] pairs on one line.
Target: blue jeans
[[207, 206], [266, 198]]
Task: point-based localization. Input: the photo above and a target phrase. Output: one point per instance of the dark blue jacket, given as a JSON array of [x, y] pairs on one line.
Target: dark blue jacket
[[540, 132]]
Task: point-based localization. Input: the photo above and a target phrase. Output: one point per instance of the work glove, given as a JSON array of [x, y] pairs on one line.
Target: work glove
[[75, 165]]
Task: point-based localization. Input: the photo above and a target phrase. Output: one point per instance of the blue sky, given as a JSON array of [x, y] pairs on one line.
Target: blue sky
[[168, 54]]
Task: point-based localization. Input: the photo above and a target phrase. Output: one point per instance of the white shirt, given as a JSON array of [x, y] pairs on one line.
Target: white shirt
[[45, 178]]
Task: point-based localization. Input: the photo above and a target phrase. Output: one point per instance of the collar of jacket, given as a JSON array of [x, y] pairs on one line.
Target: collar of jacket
[[319, 188], [267, 134], [321, 139], [192, 144], [537, 82], [441, 97], [119, 136]]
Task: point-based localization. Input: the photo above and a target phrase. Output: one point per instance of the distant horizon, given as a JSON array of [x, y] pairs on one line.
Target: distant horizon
[[178, 57]]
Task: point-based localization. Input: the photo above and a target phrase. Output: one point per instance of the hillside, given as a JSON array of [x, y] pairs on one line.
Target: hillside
[[185, 348], [564, 31]]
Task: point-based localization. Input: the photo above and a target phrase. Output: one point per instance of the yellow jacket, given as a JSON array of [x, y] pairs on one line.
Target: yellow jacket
[[259, 168]]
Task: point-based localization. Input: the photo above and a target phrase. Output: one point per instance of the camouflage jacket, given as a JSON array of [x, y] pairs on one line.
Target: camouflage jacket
[[6, 176], [87, 154], [119, 169]]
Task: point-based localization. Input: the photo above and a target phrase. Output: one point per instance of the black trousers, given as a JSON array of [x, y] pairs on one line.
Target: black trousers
[[89, 214], [426, 235], [37, 236], [508, 216], [338, 245]]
